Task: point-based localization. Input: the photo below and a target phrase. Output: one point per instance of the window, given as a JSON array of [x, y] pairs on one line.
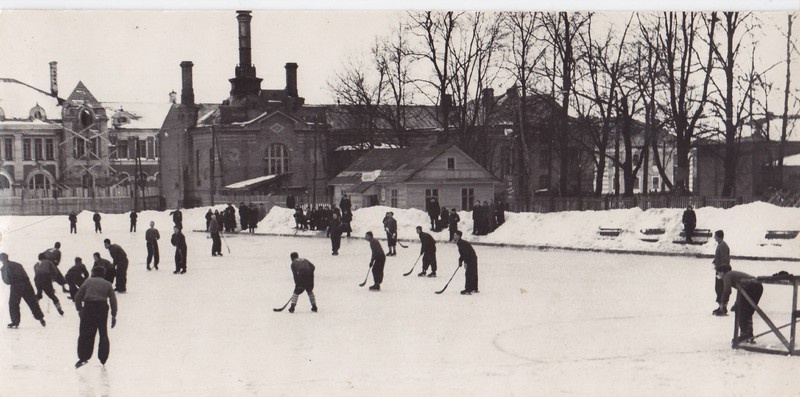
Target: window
[[155, 148], [277, 159], [38, 149], [39, 181], [122, 149], [86, 117], [393, 198], [8, 148], [37, 113], [467, 198], [451, 163], [26, 149], [431, 193], [49, 150], [2, 114], [636, 183], [197, 166], [151, 148], [141, 149], [79, 149], [93, 148], [544, 181], [211, 163], [4, 182], [655, 183], [112, 147]]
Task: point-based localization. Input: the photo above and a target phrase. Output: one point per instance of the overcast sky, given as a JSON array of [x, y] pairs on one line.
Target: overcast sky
[[135, 55]]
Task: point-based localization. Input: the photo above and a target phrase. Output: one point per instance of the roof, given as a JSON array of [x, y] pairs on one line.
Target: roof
[[348, 117], [540, 107], [395, 165], [792, 161], [17, 99], [81, 94], [138, 115]]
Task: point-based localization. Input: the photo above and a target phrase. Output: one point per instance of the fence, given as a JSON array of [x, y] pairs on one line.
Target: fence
[[62, 202], [557, 204]]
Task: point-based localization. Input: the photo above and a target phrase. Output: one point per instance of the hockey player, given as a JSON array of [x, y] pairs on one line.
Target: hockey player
[[73, 222], [96, 218], [213, 230], [45, 273], [303, 274], [93, 310], [390, 225], [151, 237], [428, 252], [743, 282], [75, 277], [14, 275], [467, 256], [120, 259], [177, 218], [54, 255], [109, 273], [335, 230], [179, 241], [722, 265], [377, 261], [134, 217]]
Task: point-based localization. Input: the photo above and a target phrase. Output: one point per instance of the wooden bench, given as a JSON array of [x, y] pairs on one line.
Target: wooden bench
[[651, 235], [699, 237], [781, 234], [609, 232]]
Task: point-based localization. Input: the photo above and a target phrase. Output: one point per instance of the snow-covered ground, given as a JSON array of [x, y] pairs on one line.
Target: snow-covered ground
[[545, 323]]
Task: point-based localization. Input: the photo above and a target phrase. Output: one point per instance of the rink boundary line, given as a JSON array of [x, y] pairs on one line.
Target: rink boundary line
[[550, 248]]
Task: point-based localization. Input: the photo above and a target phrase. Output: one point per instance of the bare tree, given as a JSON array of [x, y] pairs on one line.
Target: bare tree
[[687, 80], [786, 90]]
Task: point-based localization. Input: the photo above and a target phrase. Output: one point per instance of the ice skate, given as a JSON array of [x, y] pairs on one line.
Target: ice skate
[[13, 325], [314, 308], [291, 309], [433, 274], [422, 274], [80, 363]]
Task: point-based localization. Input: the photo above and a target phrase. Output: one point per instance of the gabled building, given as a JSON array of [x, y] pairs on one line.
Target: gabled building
[[408, 177]]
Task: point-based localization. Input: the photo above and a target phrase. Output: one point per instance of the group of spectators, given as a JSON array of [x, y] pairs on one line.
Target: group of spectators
[[487, 217]]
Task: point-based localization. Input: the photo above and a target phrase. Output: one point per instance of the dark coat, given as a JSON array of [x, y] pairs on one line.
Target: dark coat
[[466, 252], [179, 241], [428, 243]]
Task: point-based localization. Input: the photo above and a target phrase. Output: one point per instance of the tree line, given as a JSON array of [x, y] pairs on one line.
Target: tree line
[[618, 86]]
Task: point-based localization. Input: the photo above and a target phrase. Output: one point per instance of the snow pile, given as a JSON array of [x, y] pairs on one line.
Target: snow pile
[[745, 228]]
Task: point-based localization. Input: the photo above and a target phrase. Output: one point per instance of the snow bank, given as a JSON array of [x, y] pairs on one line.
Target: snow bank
[[745, 228]]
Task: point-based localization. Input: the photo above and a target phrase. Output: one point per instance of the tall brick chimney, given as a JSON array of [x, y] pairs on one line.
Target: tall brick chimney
[[245, 81], [54, 78], [291, 79], [187, 92]]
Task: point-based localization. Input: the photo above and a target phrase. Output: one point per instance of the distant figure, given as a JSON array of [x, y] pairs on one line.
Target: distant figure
[[151, 237], [477, 219], [469, 259], [73, 223], [377, 261], [75, 277], [427, 250], [209, 214], [335, 230], [347, 218], [14, 275], [453, 226], [179, 241], [433, 210], [213, 230], [500, 213], [345, 204], [722, 265], [303, 274], [120, 260], [134, 216], [44, 274], [90, 301], [689, 223], [390, 225], [177, 218], [444, 220], [743, 282], [96, 218]]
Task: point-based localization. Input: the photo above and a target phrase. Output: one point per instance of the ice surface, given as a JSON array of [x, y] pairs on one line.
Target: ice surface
[[545, 323]]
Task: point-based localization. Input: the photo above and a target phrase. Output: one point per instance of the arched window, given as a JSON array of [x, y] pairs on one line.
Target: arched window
[[37, 112], [86, 117], [277, 159], [4, 182], [39, 181]]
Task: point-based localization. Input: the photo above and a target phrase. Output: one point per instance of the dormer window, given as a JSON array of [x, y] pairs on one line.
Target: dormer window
[[86, 117], [37, 113], [2, 114], [451, 163]]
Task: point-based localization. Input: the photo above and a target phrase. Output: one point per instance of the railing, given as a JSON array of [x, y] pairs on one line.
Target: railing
[[63, 201], [558, 204]]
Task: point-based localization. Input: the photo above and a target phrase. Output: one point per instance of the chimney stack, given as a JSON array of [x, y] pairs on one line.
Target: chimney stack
[[245, 82], [245, 58], [187, 92], [54, 78], [291, 79]]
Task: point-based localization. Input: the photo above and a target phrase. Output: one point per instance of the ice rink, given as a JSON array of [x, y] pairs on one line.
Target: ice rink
[[545, 323]]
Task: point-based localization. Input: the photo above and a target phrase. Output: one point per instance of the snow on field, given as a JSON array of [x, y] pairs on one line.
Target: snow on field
[[545, 323]]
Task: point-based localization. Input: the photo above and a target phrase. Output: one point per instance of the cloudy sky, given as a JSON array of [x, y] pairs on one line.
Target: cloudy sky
[[124, 55]]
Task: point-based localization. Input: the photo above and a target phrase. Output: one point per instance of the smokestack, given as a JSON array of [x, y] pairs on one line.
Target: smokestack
[[245, 58], [187, 92], [54, 78], [291, 79]]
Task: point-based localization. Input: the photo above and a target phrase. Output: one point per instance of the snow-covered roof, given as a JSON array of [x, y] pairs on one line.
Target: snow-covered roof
[[792, 161], [250, 182], [17, 99], [142, 115]]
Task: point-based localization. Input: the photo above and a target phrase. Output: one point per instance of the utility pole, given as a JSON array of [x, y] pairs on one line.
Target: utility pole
[[314, 180]]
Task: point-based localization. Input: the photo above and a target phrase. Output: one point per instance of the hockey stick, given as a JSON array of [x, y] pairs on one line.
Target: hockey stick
[[448, 281], [366, 278], [226, 242], [401, 244], [280, 309], [412, 267]]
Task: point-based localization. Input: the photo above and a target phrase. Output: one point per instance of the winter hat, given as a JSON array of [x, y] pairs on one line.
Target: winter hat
[[98, 271]]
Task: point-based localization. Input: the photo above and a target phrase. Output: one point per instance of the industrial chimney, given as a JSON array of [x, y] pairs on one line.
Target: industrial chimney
[[54, 78], [187, 92], [291, 79], [245, 81]]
